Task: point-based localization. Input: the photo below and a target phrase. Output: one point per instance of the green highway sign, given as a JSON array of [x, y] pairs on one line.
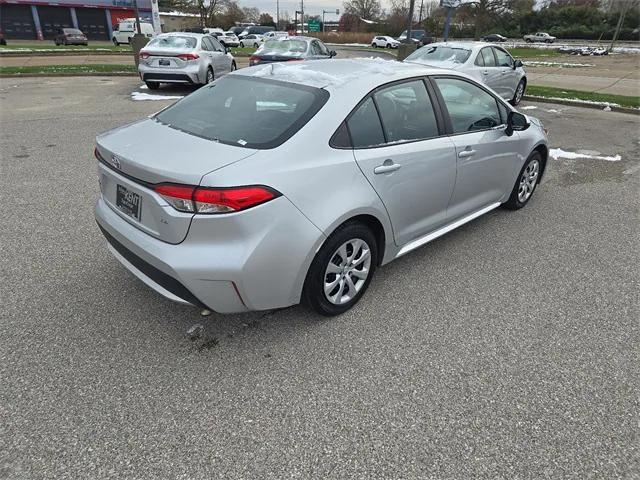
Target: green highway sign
[[313, 25]]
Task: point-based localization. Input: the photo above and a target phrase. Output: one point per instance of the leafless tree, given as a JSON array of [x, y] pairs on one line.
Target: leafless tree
[[367, 9]]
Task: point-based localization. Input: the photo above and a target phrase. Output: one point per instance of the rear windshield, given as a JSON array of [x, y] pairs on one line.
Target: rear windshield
[[284, 47], [72, 31], [173, 42], [440, 54], [244, 111]]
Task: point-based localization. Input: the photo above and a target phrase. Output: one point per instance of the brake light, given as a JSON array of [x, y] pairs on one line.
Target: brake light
[[144, 55], [253, 60], [188, 56], [187, 198]]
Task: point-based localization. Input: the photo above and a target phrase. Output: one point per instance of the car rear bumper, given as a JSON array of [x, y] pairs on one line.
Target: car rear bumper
[[170, 75], [251, 260]]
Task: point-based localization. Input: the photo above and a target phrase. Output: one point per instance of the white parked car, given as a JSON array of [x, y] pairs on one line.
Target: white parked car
[[252, 40], [178, 57], [489, 64], [382, 41], [539, 37], [125, 30], [229, 39], [274, 36]]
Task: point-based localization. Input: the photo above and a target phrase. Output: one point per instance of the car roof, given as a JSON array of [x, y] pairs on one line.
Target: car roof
[[337, 74], [183, 34]]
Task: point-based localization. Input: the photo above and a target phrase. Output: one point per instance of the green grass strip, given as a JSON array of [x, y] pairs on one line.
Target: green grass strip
[[563, 93], [51, 69]]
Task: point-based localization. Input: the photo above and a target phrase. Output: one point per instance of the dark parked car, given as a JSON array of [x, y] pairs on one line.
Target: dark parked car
[[419, 37], [70, 36], [194, 30], [494, 37], [291, 49]]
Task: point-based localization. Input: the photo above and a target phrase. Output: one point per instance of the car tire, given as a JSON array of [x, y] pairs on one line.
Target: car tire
[[241, 45], [153, 85], [388, 45], [129, 40], [255, 45], [210, 77], [234, 67], [519, 93], [528, 40], [115, 42], [526, 182], [374, 45], [355, 240]]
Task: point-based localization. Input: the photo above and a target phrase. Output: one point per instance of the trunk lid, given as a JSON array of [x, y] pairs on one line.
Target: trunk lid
[[136, 157]]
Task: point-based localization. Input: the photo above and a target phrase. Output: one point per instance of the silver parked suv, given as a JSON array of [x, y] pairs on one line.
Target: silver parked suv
[[190, 58], [289, 182]]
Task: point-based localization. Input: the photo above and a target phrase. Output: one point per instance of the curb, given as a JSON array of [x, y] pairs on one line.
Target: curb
[[70, 74], [572, 103]]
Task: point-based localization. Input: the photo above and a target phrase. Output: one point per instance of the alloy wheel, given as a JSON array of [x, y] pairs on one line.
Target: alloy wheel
[[519, 93], [528, 181], [347, 271], [209, 76]]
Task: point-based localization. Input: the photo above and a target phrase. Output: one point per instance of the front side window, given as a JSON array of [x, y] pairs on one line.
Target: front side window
[[217, 46], [364, 126], [406, 112], [470, 108], [246, 112], [503, 58]]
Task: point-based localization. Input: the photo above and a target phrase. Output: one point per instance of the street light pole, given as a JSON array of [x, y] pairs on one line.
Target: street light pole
[[135, 7], [277, 14]]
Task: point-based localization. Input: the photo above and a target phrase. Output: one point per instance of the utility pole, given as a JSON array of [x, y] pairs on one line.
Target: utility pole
[[623, 13], [420, 15], [277, 14], [410, 22], [302, 14], [135, 7]]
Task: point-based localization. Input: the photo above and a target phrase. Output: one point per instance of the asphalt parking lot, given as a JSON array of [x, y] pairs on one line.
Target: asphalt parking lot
[[507, 349]]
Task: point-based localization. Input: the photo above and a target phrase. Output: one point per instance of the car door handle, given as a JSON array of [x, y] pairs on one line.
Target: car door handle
[[387, 167], [466, 153], [485, 72]]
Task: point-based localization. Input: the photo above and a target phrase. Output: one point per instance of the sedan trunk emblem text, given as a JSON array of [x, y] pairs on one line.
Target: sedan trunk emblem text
[[115, 161]]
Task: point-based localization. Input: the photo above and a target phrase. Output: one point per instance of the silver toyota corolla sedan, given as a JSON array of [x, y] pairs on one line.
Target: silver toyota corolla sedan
[[284, 183], [190, 58], [487, 63]]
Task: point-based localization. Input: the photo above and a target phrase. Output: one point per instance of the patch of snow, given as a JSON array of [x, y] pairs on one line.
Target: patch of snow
[[175, 13], [536, 63], [143, 87], [139, 96], [607, 108], [528, 107], [577, 101], [557, 153], [553, 110]]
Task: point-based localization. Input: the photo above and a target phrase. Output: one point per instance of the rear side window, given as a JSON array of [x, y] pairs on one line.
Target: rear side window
[[487, 56], [470, 108], [364, 126], [246, 112], [479, 60], [406, 112]]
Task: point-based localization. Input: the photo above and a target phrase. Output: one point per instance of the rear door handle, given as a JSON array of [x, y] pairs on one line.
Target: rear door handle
[[466, 153], [387, 167]]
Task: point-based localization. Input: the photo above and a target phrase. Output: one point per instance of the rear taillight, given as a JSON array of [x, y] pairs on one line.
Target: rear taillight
[[187, 198], [144, 55], [254, 60], [188, 56]]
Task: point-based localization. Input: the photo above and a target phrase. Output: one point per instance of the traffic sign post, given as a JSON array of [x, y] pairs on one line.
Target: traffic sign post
[[313, 26]]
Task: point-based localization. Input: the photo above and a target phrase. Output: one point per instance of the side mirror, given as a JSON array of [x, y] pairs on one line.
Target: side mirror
[[226, 49], [332, 53], [517, 64], [516, 122]]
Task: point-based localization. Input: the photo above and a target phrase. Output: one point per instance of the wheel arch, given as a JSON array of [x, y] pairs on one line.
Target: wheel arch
[[544, 153]]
